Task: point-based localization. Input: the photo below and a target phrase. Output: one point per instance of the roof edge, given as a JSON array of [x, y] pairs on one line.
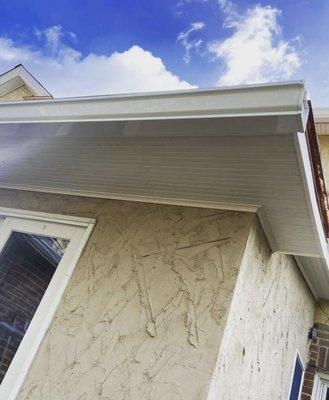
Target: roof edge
[[249, 100], [18, 76], [179, 92]]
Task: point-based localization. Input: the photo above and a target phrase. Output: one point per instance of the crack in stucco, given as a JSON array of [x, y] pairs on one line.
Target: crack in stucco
[[143, 315]]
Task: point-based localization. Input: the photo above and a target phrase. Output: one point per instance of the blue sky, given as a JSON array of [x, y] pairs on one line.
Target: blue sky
[[103, 46]]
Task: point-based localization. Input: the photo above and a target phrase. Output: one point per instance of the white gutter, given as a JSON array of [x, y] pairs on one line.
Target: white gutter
[[279, 99]]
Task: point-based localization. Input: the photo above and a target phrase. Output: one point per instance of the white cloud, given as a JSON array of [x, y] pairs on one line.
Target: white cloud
[[191, 44], [53, 36], [64, 71], [182, 3], [255, 52], [230, 11]]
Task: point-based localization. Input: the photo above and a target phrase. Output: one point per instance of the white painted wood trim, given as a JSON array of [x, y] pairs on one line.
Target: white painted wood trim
[[31, 82], [305, 272], [41, 321], [42, 216], [321, 384], [307, 177], [297, 355], [267, 230]]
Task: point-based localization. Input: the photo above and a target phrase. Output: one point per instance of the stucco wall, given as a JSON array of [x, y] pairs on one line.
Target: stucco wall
[[144, 313], [17, 94], [271, 312], [322, 312]]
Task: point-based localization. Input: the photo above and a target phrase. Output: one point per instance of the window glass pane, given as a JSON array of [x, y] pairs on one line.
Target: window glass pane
[[296, 381], [27, 264], [327, 395]]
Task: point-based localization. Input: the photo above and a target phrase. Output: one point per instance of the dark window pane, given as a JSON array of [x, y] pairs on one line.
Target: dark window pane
[[27, 264], [327, 395], [297, 379]]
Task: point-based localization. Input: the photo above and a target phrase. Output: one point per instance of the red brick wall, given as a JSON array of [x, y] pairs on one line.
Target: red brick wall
[[24, 277], [318, 358]]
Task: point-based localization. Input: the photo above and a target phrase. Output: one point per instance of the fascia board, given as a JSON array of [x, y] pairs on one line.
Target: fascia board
[[32, 83], [307, 267], [302, 152], [183, 127]]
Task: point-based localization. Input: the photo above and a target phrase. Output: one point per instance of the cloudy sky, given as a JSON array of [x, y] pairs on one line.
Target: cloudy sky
[[84, 47]]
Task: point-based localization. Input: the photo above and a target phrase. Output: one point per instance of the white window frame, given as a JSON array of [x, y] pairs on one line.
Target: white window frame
[[77, 230], [297, 355], [320, 386]]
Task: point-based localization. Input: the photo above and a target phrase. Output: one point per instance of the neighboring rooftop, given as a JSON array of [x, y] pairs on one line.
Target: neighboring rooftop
[[321, 116], [19, 83]]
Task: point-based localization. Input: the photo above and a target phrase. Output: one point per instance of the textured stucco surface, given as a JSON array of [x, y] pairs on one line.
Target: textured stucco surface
[[17, 94], [144, 313], [271, 312], [322, 312]]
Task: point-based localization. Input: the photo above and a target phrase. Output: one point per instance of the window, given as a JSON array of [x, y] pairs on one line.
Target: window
[[321, 387], [38, 253], [27, 264], [296, 379]]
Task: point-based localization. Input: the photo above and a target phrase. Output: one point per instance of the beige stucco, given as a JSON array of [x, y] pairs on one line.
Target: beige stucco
[[149, 314], [144, 314], [322, 312], [17, 94], [271, 313]]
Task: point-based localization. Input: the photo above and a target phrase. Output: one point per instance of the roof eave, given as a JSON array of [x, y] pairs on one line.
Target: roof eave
[[19, 76], [248, 101], [283, 104]]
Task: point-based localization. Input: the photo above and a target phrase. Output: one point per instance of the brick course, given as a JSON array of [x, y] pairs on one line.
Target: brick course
[[24, 277], [318, 358]]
